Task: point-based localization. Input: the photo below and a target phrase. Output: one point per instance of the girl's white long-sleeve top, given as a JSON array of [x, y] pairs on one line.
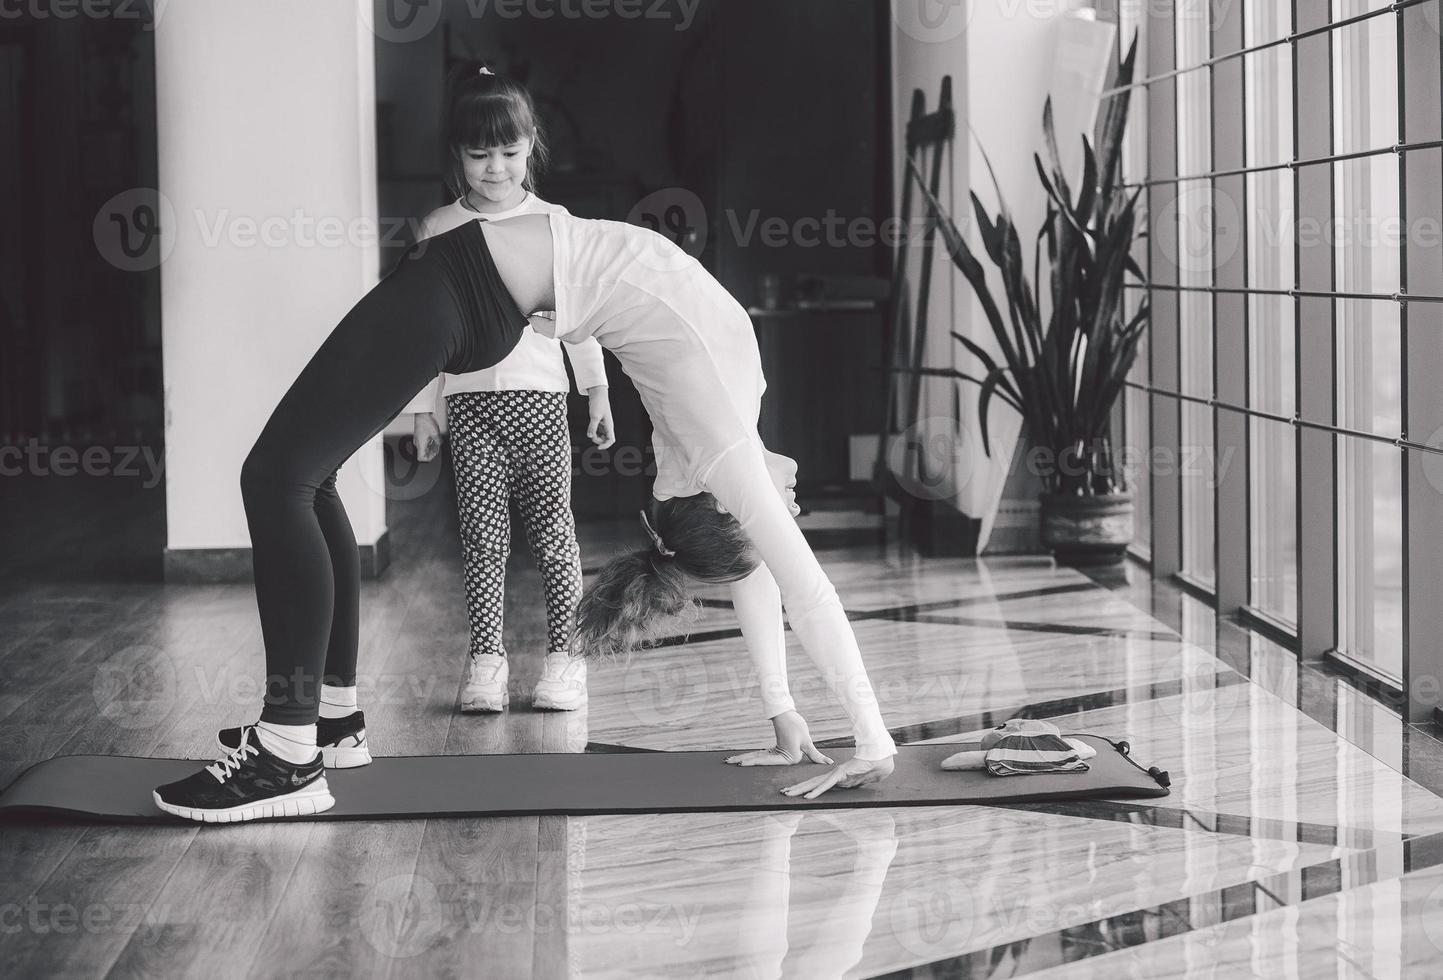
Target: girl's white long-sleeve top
[[535, 364]]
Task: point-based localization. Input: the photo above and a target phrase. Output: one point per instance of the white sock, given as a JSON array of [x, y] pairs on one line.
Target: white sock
[[337, 702], [294, 743]]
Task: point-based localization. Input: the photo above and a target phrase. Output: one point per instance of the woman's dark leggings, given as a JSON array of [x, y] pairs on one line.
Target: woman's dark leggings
[[444, 308]]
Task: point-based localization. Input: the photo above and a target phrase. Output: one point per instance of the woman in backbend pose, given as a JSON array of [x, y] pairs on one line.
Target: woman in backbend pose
[[509, 439], [459, 304]]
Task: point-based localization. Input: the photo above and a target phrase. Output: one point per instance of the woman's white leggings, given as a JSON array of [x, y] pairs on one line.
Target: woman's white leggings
[[791, 574]]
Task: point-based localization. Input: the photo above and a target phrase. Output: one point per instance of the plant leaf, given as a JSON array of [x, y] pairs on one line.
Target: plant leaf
[[971, 269], [1087, 193]]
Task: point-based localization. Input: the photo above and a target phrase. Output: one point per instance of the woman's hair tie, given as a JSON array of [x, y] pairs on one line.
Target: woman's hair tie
[[485, 71], [656, 538]]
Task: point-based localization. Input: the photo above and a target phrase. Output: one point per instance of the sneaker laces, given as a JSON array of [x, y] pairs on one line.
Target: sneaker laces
[[221, 769], [557, 669], [494, 670]]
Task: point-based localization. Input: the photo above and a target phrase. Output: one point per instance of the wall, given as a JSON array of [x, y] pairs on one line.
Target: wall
[[265, 111]]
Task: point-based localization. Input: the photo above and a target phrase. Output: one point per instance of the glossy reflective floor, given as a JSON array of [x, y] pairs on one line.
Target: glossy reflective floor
[[1289, 846], [1303, 836]]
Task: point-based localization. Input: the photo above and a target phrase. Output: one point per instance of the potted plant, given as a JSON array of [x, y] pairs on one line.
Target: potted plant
[[1063, 373]]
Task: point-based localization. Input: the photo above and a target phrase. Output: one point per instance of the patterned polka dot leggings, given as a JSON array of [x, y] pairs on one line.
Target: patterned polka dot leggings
[[505, 445]]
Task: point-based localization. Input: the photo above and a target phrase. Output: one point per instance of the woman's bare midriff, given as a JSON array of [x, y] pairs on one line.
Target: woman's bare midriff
[[521, 247]]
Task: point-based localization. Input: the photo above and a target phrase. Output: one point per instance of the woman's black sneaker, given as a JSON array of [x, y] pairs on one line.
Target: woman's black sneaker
[[249, 784], [342, 741]]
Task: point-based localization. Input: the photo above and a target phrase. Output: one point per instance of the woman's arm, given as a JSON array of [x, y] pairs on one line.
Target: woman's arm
[[758, 605], [741, 483]]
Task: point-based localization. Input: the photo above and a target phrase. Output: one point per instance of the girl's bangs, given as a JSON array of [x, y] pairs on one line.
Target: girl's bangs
[[489, 121]]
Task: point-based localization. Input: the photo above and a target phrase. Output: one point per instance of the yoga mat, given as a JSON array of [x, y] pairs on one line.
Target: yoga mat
[[118, 788]]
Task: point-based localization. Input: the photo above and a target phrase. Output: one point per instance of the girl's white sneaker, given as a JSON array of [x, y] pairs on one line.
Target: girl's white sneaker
[[562, 686], [485, 688]]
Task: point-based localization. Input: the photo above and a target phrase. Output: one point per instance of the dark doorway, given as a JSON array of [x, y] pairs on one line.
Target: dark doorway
[[81, 392]]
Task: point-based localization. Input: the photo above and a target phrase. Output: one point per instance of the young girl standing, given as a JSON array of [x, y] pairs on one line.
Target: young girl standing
[[509, 435]]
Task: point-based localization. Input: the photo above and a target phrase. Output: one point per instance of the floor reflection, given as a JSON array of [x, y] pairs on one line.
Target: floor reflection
[[1280, 811]]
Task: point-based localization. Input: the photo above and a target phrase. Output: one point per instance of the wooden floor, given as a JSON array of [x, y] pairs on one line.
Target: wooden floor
[[1303, 837]]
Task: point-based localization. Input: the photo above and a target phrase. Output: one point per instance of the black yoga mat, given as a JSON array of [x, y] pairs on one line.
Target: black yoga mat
[[118, 788]]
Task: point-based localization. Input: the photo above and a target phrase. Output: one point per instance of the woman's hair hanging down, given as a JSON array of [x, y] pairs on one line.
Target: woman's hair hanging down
[[642, 596], [485, 109]]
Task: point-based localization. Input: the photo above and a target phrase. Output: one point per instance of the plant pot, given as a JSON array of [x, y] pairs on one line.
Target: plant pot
[[1083, 530]]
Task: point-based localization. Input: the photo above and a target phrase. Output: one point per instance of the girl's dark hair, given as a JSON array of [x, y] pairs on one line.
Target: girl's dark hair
[[489, 110], [641, 596]]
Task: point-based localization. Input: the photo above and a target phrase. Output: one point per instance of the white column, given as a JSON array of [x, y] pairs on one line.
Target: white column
[[266, 133]]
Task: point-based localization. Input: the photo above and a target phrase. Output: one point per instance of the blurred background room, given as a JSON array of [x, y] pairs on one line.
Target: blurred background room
[[1233, 332]]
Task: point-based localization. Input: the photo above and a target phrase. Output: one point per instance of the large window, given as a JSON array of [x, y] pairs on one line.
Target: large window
[[1195, 229], [1293, 122], [1137, 421], [1272, 353], [1366, 210]]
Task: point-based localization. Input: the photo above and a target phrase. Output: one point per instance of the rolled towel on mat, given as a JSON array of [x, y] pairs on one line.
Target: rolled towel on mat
[[1019, 747]]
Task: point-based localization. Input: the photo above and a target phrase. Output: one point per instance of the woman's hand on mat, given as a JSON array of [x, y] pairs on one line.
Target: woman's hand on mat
[[600, 430], [794, 744], [427, 435], [849, 775]]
